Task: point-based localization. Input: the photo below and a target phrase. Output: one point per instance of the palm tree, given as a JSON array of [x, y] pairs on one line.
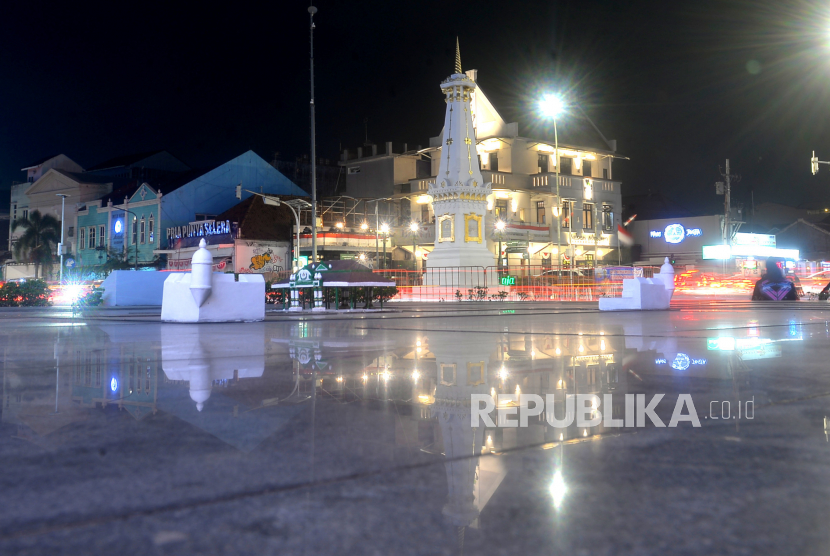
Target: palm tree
[[36, 245]]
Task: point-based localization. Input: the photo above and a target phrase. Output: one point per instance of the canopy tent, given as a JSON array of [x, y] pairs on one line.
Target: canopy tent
[[331, 274]]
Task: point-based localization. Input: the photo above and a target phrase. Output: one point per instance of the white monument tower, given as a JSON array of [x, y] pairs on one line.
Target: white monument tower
[[459, 194]]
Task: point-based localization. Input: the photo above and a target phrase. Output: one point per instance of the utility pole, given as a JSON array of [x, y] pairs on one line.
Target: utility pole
[[311, 11], [727, 202]]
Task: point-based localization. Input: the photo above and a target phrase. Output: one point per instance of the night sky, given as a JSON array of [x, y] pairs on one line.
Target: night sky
[[680, 86]]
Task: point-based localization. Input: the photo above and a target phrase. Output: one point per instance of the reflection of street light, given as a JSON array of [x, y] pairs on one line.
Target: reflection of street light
[[551, 106]]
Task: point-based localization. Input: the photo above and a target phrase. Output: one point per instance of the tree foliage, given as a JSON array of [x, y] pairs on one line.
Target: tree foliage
[[36, 244]]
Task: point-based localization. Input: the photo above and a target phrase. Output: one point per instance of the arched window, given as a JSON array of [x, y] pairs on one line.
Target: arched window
[[142, 231], [152, 230]]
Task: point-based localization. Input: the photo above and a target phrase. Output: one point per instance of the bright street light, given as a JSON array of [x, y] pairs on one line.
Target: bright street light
[[413, 227], [364, 226], [551, 106], [384, 228], [500, 226]]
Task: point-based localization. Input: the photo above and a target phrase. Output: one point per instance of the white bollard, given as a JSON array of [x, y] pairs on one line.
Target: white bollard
[[201, 281]]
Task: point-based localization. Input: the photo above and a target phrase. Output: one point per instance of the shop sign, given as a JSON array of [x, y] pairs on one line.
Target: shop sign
[[590, 239], [508, 280], [763, 240], [676, 233], [214, 233]]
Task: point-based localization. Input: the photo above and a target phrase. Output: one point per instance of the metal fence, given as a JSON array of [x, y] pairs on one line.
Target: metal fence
[[515, 283]]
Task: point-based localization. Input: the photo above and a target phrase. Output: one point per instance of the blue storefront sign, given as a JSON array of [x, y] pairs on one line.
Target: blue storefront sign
[[119, 227]]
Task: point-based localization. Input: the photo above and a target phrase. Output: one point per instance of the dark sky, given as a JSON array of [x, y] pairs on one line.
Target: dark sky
[[680, 85]]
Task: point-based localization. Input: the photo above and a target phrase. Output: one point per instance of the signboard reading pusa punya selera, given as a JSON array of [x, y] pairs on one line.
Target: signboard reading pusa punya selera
[[213, 232]]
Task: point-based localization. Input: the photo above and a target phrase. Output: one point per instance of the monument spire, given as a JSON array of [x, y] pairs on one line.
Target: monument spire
[[459, 192]]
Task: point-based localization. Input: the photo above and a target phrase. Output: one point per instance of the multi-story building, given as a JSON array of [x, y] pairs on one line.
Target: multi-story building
[[19, 206], [581, 214]]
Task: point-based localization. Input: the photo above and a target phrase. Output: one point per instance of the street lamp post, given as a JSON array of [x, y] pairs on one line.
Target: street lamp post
[[60, 245], [413, 227], [552, 106], [384, 229], [499, 232], [311, 11], [135, 225]]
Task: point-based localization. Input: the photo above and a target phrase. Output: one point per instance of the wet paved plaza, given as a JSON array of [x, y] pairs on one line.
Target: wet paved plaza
[[352, 434]]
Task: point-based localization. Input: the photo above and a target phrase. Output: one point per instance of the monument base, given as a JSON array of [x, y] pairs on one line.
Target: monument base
[[229, 300]]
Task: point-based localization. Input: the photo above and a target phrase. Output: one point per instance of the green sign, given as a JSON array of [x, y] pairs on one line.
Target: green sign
[[508, 280], [303, 261]]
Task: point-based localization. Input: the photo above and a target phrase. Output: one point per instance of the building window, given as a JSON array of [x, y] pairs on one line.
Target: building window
[[424, 213], [566, 214], [142, 231], [152, 229], [540, 212], [566, 166], [494, 162], [25, 214], [14, 212], [607, 217], [544, 159], [586, 168], [71, 231], [501, 209], [605, 173], [91, 244], [135, 231], [82, 242], [587, 216], [101, 236]]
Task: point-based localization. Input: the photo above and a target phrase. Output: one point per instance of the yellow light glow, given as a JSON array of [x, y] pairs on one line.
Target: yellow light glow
[[602, 344], [585, 432], [418, 343], [416, 375], [502, 195], [339, 225], [557, 351], [492, 393], [364, 226], [489, 145], [423, 398], [561, 437], [581, 348], [413, 226], [514, 204], [362, 257], [545, 149], [384, 228], [386, 375], [365, 378], [503, 374], [339, 379], [423, 199], [500, 225]]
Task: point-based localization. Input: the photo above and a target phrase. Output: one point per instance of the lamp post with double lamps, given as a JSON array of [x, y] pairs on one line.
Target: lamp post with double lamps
[[384, 229], [500, 225], [551, 106]]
